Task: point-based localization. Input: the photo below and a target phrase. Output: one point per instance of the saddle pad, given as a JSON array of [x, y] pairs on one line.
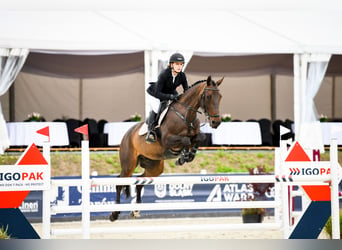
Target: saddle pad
[[143, 129]]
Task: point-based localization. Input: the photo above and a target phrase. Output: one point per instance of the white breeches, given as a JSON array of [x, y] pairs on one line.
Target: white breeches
[[153, 104]]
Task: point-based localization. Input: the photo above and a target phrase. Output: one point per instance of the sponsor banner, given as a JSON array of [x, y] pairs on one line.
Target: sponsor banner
[[105, 195], [32, 206], [24, 177], [309, 171]]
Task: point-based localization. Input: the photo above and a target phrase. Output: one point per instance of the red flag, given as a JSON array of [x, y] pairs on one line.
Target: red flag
[[44, 131], [83, 130]]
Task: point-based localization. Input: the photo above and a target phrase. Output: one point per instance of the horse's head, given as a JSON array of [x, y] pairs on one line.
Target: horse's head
[[210, 101]]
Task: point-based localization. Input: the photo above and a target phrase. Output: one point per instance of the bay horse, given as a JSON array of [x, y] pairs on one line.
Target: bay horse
[[178, 136]]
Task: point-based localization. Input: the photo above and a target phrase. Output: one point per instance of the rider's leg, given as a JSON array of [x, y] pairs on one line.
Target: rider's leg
[[162, 106], [153, 119], [151, 136], [153, 103]]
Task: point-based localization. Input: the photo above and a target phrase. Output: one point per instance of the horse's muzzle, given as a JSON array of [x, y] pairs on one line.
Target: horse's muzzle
[[214, 123]]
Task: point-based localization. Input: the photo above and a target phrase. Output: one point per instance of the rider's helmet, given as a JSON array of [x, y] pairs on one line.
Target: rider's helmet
[[177, 57]]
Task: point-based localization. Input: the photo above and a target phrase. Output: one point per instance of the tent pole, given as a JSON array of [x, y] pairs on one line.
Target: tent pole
[[80, 98], [273, 97], [296, 92], [12, 102], [333, 96], [299, 87], [147, 63]]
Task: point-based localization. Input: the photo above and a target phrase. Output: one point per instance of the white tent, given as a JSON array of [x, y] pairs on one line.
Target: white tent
[[217, 26], [307, 29]]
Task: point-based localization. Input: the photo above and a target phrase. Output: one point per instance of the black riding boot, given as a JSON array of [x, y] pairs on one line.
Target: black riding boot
[[151, 136]]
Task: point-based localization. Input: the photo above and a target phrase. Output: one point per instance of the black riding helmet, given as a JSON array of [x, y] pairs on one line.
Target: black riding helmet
[[177, 57]]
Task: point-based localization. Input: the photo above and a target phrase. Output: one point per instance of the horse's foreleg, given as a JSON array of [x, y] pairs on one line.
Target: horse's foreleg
[[180, 140], [192, 153], [184, 156], [197, 139]]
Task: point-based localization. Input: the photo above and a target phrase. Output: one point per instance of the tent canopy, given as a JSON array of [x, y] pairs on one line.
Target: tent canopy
[[83, 66], [205, 27]]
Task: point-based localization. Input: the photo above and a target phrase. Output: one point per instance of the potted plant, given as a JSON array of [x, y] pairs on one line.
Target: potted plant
[[256, 215], [226, 118], [134, 118], [323, 118], [253, 215], [35, 117]]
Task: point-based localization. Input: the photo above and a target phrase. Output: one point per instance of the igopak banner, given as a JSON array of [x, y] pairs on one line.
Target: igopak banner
[[24, 177]]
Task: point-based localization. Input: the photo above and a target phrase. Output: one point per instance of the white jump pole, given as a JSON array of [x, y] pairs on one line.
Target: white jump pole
[[284, 192], [85, 190], [278, 187], [46, 211], [210, 179]]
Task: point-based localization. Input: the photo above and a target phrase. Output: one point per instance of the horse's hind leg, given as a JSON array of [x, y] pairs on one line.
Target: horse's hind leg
[[128, 161], [136, 213], [119, 188], [153, 169], [115, 215]]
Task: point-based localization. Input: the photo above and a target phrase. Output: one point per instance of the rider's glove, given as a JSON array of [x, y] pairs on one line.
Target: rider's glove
[[173, 97]]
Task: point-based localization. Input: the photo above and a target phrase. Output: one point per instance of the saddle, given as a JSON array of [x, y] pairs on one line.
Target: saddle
[[143, 130]]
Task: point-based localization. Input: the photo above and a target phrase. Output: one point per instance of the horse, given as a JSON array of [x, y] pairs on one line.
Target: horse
[[178, 136]]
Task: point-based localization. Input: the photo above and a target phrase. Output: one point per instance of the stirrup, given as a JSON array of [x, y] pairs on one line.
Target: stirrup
[[151, 137]]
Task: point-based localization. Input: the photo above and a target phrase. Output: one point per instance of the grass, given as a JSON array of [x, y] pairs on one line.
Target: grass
[[3, 233], [328, 226], [215, 161]]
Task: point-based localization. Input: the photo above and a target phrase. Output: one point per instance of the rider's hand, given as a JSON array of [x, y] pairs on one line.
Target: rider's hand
[[173, 97]]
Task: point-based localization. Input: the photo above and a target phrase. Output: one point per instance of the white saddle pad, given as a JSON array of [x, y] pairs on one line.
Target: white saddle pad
[[143, 130]]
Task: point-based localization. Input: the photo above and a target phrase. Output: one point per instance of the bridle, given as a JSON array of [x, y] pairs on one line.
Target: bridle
[[189, 108], [203, 100]]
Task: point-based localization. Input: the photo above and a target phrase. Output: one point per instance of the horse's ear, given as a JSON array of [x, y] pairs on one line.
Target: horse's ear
[[209, 80], [219, 81]]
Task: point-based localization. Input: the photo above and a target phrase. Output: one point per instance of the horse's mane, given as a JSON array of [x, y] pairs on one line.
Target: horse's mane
[[193, 85], [198, 82]]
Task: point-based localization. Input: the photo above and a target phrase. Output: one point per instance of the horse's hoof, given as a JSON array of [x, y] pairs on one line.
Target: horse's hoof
[[187, 157], [191, 157], [180, 161], [114, 216], [135, 214]]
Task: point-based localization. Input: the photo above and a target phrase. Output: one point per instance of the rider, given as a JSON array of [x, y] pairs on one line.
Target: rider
[[164, 90]]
